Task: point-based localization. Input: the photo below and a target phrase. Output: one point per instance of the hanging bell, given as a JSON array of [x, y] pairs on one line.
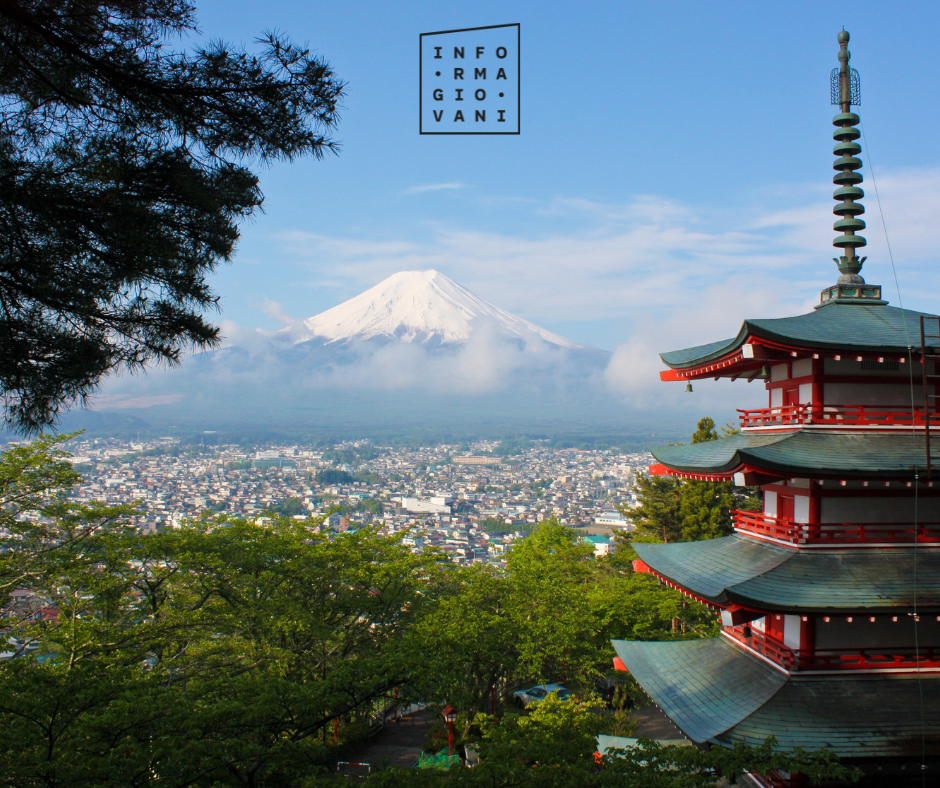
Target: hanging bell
[[688, 387], [765, 372]]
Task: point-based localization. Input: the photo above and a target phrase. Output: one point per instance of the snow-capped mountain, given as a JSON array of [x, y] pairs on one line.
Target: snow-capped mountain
[[424, 308], [414, 348]]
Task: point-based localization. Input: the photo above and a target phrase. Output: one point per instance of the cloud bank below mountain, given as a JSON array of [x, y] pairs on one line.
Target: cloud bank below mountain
[[413, 341]]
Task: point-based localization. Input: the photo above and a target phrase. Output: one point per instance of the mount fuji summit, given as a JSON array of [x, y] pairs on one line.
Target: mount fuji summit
[[421, 328], [416, 348], [423, 308]]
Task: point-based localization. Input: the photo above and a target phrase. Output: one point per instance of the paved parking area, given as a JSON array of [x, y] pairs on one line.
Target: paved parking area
[[398, 743]]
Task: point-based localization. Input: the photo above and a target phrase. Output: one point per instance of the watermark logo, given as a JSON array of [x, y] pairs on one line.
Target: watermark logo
[[469, 81]]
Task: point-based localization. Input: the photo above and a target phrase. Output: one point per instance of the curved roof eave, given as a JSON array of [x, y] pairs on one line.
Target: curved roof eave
[[700, 354], [762, 576], [716, 692], [819, 453], [858, 327], [705, 687]]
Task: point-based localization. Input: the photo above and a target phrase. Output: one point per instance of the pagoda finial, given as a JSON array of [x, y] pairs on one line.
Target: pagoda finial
[[844, 88]]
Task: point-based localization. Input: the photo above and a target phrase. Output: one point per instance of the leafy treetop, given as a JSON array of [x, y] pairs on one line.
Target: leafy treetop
[[676, 510]]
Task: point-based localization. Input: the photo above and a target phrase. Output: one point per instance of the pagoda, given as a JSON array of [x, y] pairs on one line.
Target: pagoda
[[829, 597]]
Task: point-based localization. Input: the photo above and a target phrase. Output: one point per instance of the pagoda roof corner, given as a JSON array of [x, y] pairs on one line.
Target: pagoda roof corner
[[700, 353]]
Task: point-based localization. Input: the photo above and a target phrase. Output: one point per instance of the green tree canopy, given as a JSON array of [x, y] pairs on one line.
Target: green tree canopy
[[289, 507], [549, 616], [216, 654], [122, 183], [334, 476]]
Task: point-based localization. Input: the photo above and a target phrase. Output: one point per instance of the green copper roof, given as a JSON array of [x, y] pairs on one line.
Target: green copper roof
[[704, 686], [824, 453], [692, 355], [838, 326], [716, 692], [768, 577]]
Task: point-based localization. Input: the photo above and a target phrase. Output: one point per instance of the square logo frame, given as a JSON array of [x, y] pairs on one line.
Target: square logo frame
[[442, 86]]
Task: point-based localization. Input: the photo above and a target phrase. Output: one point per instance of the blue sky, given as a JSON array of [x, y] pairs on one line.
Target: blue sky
[[672, 177]]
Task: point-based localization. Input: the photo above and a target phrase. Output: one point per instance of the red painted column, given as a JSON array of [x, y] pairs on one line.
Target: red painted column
[[807, 638], [815, 507], [774, 626], [817, 392]]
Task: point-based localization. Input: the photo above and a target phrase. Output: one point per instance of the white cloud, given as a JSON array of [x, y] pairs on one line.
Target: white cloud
[[276, 312], [669, 275], [433, 187], [257, 371], [587, 261]]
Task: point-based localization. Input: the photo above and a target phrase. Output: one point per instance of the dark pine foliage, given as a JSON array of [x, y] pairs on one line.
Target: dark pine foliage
[[122, 182]]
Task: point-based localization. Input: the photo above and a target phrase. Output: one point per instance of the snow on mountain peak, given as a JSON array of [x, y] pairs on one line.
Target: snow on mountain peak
[[417, 307]]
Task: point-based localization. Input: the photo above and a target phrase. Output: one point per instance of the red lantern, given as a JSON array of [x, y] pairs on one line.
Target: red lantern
[[450, 717]]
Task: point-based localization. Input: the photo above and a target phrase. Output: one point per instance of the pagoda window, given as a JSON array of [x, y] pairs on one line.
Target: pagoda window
[[792, 632], [869, 368], [801, 509], [797, 394], [884, 366], [794, 506], [770, 503], [872, 394]]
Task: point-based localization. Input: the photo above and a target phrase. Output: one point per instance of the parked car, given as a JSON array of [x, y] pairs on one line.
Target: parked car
[[524, 697]]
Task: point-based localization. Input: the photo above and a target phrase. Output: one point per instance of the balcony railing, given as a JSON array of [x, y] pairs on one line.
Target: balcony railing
[[835, 534], [837, 415], [885, 658]]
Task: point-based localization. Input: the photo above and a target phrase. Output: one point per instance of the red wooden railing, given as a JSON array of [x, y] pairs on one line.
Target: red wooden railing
[[843, 415], [834, 534], [884, 658], [762, 644]]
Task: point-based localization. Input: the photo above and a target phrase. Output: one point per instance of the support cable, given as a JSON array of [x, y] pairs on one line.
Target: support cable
[[910, 369]]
